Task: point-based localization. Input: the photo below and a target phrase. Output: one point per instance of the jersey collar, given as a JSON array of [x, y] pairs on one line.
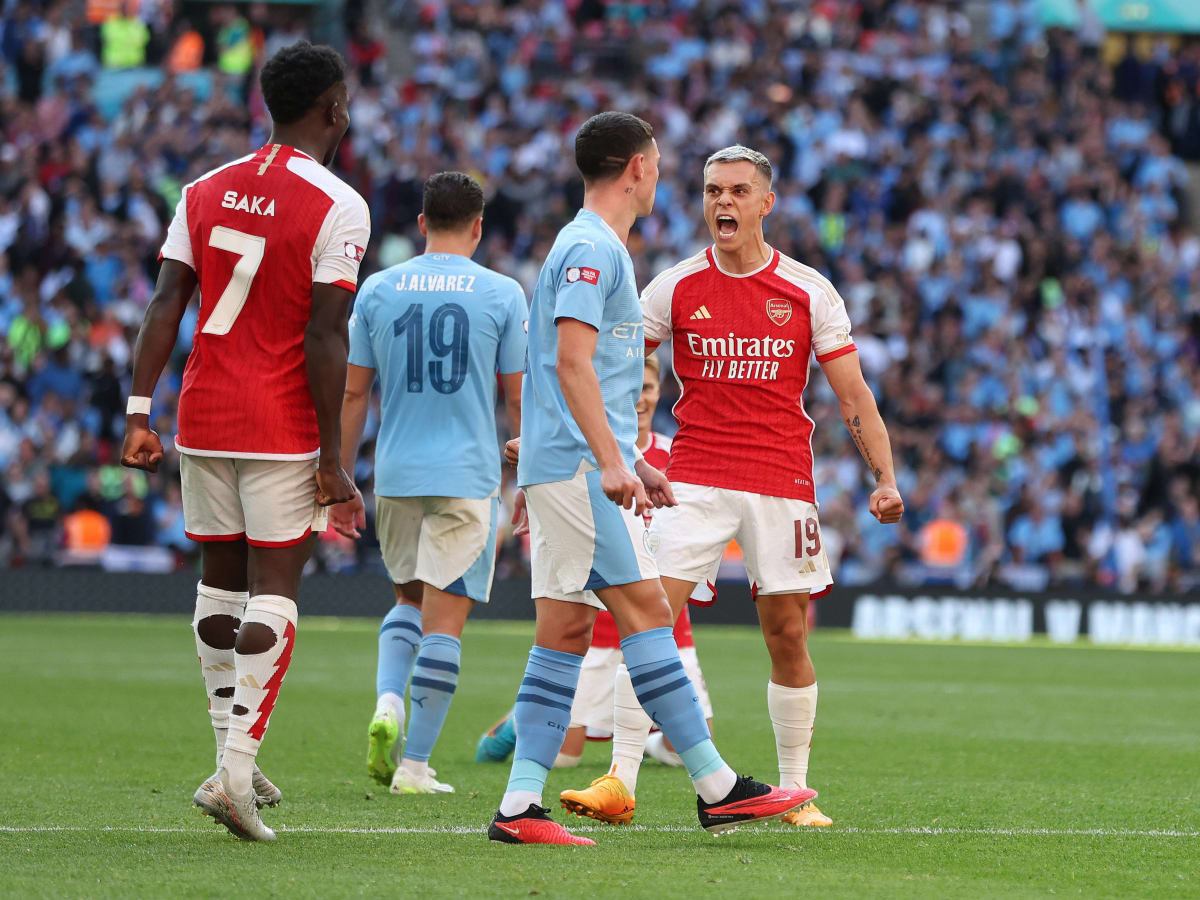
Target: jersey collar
[[591, 215], [712, 255], [265, 150]]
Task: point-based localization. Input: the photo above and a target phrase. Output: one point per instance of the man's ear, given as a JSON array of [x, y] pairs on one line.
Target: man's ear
[[637, 166], [477, 229], [421, 225], [768, 203]]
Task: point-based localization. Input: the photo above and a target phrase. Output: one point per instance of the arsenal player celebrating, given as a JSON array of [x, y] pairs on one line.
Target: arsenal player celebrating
[[743, 320], [273, 240]]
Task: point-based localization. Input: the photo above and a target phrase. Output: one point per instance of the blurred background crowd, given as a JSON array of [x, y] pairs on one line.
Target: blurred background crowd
[[1005, 207]]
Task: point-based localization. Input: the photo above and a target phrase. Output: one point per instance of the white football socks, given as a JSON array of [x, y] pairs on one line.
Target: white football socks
[[656, 746], [259, 676], [516, 802], [716, 786], [793, 712], [631, 725], [567, 761], [216, 663]]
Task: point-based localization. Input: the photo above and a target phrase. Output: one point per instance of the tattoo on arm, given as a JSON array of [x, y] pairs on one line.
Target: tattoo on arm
[[855, 427]]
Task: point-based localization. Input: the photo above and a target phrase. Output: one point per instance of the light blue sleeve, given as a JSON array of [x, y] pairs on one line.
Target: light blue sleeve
[[361, 351], [514, 340], [583, 280]]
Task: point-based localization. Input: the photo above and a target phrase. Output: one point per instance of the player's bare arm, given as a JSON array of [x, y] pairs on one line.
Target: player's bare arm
[[861, 415], [581, 390], [511, 384], [326, 344], [160, 329], [347, 518]]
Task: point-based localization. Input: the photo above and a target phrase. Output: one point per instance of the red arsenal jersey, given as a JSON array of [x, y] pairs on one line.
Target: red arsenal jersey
[[740, 347], [259, 232], [657, 452]]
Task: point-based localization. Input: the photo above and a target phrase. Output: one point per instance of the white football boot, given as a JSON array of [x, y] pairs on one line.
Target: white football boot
[[265, 793], [238, 814], [405, 782]]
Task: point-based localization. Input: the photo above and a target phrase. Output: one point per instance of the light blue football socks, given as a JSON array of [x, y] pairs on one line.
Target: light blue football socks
[[542, 715], [668, 697], [399, 637], [434, 679]]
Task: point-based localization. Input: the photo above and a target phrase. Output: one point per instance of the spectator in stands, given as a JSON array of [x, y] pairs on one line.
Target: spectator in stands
[[123, 38], [1008, 221]]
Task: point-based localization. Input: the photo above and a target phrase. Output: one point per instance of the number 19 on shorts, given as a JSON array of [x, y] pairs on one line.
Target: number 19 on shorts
[[808, 538]]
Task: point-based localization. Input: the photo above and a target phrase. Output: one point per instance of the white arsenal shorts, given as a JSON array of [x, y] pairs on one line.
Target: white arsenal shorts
[[593, 705], [269, 502], [780, 538], [446, 542]]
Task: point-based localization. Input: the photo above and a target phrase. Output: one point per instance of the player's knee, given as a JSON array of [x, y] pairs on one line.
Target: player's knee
[[578, 635], [254, 637], [787, 638], [218, 632]]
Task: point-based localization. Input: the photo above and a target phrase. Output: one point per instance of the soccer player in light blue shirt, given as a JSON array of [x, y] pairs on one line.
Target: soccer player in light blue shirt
[[437, 330], [587, 536]]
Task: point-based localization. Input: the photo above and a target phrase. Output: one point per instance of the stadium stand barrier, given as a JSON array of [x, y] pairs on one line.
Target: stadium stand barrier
[[872, 612]]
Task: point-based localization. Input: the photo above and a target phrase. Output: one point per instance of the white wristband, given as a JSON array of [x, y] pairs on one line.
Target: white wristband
[[138, 406], [637, 454]]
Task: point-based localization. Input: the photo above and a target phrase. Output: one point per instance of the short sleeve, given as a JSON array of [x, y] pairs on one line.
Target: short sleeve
[[514, 340], [361, 351], [584, 278], [342, 242], [178, 244], [657, 300], [830, 324]]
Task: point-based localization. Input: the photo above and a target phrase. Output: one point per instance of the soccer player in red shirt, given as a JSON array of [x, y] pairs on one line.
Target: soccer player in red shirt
[[743, 320], [273, 240]]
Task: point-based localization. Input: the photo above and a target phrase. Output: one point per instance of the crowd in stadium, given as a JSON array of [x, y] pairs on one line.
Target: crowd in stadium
[[1004, 209]]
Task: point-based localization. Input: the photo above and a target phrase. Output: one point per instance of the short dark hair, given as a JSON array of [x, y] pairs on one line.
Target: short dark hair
[[451, 200], [296, 76], [607, 141]]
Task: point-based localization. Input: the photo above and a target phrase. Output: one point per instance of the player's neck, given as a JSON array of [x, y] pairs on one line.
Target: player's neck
[[451, 244], [643, 439], [301, 142], [744, 260], [613, 205]]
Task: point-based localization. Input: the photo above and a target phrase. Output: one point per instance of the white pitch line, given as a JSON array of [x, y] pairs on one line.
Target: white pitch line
[[654, 829]]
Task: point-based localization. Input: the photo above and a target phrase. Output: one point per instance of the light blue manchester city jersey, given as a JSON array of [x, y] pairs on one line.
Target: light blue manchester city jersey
[[588, 276], [437, 329]]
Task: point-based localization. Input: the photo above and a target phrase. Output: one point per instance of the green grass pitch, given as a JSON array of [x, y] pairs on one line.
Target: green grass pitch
[[950, 771]]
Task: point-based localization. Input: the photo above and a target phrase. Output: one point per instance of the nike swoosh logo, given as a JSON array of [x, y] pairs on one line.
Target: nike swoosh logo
[[515, 832]]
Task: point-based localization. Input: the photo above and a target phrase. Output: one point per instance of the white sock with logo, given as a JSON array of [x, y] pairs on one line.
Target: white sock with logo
[[259, 677], [217, 663]]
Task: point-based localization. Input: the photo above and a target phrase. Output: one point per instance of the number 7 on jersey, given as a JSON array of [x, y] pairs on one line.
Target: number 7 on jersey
[[250, 247]]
